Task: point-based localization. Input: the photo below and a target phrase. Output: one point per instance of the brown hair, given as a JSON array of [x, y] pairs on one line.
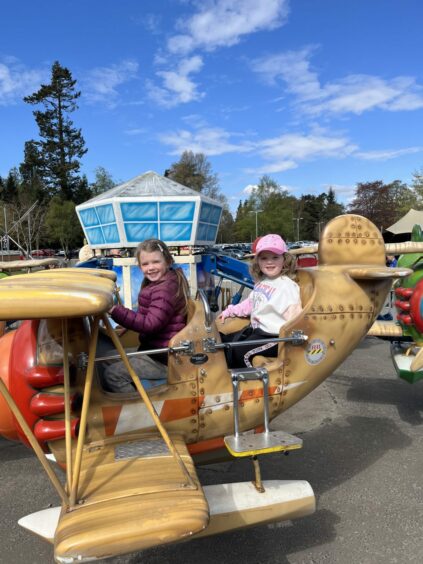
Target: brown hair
[[288, 268], [153, 245]]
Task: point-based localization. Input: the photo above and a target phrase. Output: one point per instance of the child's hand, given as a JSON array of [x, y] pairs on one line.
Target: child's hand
[[221, 318]]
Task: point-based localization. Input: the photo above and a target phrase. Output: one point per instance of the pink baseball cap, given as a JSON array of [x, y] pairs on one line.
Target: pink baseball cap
[[273, 243]]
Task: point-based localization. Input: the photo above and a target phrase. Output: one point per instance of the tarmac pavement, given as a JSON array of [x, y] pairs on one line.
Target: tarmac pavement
[[362, 454]]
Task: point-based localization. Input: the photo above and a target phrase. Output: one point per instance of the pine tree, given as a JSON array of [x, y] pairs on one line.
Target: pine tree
[[32, 187], [61, 145]]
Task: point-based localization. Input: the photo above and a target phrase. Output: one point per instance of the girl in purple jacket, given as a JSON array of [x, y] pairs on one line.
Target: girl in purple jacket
[[162, 300]]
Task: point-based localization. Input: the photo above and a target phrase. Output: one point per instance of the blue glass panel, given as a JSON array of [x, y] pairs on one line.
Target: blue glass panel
[[206, 210], [88, 217], [95, 236], [215, 214], [177, 211], [135, 211], [136, 278], [111, 233], [175, 231], [211, 232], [106, 213], [202, 232], [137, 232]]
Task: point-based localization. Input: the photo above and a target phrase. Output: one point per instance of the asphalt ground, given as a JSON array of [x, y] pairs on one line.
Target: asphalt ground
[[362, 454]]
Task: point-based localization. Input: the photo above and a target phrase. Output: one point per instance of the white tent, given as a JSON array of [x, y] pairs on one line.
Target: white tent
[[407, 222]]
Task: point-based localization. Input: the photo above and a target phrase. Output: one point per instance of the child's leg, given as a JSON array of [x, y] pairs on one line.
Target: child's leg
[[246, 354], [233, 359]]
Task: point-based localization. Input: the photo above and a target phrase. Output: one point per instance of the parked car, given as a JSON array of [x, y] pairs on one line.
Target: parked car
[[43, 253]]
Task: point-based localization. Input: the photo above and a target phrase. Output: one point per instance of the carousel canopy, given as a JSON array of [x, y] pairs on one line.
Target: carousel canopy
[[407, 222], [149, 206]]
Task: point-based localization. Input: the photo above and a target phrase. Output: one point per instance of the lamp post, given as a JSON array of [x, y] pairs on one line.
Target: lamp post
[[297, 219], [256, 212], [319, 223]]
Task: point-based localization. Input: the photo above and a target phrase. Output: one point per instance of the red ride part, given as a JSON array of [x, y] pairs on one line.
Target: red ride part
[[54, 429], [7, 421], [45, 376], [416, 306], [45, 404]]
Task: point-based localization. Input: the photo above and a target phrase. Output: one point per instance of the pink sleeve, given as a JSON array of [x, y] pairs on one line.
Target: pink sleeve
[[243, 309]]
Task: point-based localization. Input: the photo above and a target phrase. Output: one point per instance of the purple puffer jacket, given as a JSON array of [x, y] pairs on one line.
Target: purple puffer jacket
[[160, 313]]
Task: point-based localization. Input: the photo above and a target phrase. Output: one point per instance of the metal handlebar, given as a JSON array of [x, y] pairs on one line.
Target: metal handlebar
[[207, 311]]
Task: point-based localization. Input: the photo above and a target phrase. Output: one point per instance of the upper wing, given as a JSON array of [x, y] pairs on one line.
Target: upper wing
[[54, 294]]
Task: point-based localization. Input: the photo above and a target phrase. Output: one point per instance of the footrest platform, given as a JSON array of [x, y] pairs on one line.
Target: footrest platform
[[261, 443]]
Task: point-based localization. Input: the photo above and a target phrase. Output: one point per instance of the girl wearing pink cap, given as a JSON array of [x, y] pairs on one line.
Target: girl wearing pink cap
[[274, 300]]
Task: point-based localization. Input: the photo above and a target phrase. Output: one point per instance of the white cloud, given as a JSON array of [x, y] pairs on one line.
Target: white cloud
[[387, 154], [222, 23], [210, 141], [344, 193], [352, 94], [17, 81], [101, 83], [178, 88], [249, 189], [293, 68], [286, 151], [136, 131]]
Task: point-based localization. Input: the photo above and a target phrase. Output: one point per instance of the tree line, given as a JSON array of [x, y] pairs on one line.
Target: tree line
[[39, 195]]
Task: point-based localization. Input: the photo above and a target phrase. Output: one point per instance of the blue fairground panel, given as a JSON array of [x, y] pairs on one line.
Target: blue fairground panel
[[149, 206]]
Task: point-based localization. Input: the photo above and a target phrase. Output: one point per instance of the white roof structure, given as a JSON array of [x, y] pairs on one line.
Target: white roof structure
[[149, 206], [407, 222]]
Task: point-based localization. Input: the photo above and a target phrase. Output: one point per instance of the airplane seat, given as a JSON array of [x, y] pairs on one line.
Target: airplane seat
[[155, 380], [305, 281]]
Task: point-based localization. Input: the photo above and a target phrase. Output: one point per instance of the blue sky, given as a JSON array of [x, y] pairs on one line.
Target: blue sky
[[315, 93]]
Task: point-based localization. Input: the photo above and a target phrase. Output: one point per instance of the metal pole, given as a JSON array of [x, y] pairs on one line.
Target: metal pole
[[256, 212], [297, 219]]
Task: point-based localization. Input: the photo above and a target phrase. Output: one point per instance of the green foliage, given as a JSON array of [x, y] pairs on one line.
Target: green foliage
[[382, 203], [61, 146], [194, 171], [103, 181], [62, 225], [417, 187]]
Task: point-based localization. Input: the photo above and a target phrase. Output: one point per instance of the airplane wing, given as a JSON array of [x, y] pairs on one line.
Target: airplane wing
[[36, 296], [385, 329], [369, 272], [390, 248], [134, 496], [13, 265]]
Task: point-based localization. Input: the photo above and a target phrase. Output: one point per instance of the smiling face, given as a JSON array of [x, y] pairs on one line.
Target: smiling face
[[153, 265], [270, 264]]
